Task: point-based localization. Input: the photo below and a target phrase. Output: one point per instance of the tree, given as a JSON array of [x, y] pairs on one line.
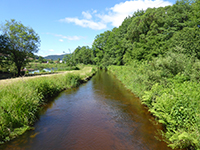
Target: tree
[[82, 55], [99, 46], [40, 59], [195, 15], [188, 39], [23, 42], [68, 58], [148, 33], [51, 61], [4, 46]]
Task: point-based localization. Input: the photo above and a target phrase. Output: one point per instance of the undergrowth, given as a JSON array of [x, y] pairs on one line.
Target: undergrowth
[[170, 87]]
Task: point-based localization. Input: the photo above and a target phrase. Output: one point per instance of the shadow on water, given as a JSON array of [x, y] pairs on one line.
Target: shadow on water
[[100, 114]]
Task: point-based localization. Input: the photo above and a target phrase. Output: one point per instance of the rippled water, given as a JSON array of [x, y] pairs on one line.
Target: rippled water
[[99, 115]]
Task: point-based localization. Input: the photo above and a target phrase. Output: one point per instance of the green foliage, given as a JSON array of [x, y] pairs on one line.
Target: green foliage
[[73, 80], [68, 59], [40, 59], [4, 46], [82, 55], [195, 14], [177, 107], [169, 86], [160, 48], [148, 34], [23, 42], [188, 39], [17, 109], [109, 47], [99, 46]]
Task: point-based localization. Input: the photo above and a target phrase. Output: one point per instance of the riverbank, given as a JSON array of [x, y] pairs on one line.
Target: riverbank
[[172, 99], [22, 98], [101, 114]]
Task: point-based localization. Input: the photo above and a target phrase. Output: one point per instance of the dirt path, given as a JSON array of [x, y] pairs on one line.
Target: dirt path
[[83, 71]]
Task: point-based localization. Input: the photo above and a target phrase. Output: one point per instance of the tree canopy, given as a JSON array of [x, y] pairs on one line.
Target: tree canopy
[[82, 54], [146, 35], [4, 46], [23, 42]]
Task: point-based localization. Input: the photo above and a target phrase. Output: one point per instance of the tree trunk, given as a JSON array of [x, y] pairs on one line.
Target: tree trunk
[[18, 70]]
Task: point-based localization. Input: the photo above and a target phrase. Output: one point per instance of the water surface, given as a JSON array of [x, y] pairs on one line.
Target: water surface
[[99, 115]]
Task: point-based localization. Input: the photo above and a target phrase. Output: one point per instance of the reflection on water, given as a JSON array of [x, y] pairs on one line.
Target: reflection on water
[[44, 70], [100, 114]]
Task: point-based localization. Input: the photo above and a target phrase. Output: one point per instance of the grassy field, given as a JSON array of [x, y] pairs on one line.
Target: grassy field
[[22, 98]]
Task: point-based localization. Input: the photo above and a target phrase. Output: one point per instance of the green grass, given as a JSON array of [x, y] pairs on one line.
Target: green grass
[[170, 88], [21, 100]]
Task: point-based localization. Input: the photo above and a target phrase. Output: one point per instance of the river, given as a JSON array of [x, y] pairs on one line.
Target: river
[[99, 115]]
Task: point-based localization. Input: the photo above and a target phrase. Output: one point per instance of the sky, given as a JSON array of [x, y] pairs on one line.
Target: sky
[[63, 25]]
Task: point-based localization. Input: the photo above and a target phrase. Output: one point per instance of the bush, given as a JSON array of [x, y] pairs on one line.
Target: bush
[[177, 108], [72, 80], [170, 87]]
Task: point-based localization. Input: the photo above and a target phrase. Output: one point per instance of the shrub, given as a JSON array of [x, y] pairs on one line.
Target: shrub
[[169, 86]]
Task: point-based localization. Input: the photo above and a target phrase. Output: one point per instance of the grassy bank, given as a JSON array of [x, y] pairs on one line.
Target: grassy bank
[[170, 88], [22, 98]]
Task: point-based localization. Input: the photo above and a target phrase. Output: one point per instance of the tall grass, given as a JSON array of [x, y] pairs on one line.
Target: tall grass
[[21, 101], [170, 87]]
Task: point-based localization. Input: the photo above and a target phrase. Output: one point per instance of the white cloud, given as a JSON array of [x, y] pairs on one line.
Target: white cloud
[[85, 23], [116, 14], [51, 50], [71, 38], [120, 11], [87, 15], [94, 11]]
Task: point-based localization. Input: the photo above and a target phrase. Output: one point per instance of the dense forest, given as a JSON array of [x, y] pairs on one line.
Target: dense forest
[[146, 35], [156, 55]]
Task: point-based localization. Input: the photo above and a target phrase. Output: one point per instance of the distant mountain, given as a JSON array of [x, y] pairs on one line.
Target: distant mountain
[[55, 57]]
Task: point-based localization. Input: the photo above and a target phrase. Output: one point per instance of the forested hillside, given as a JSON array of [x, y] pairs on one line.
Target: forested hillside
[[54, 57], [156, 55], [146, 35]]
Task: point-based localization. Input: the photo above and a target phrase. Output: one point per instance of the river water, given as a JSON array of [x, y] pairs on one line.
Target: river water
[[98, 115]]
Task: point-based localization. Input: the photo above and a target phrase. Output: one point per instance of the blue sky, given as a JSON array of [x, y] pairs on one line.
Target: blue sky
[[64, 25]]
